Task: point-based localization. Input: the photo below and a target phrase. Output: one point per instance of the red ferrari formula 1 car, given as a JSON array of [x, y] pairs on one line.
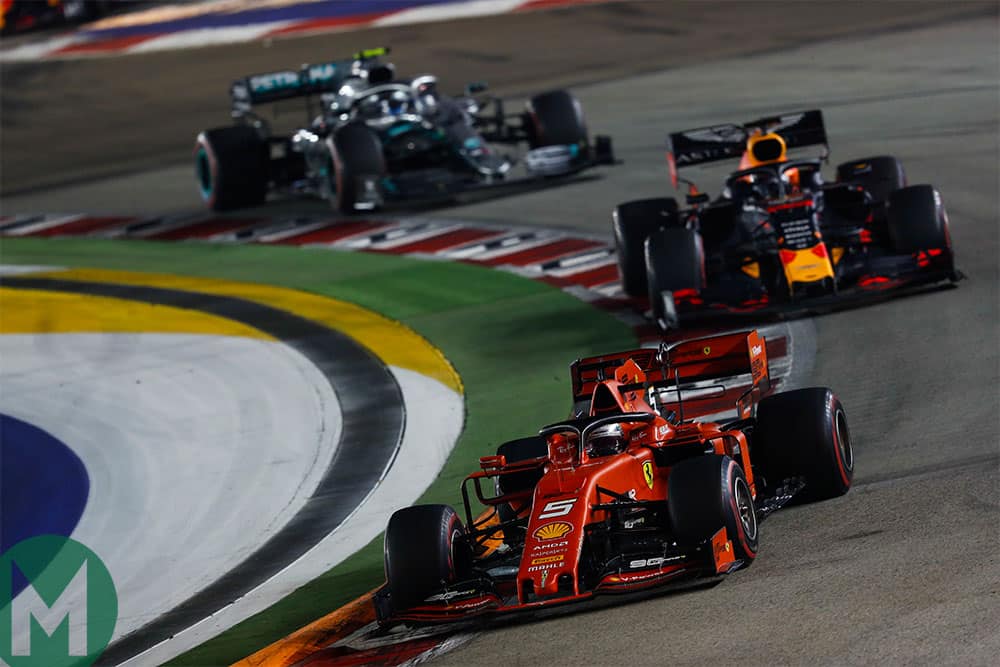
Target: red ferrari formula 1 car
[[635, 492], [779, 238]]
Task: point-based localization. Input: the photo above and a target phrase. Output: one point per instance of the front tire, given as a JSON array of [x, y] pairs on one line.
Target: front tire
[[805, 433], [556, 119], [880, 176], [522, 449], [706, 493], [358, 162], [675, 260], [231, 167], [632, 223], [424, 551], [918, 220]]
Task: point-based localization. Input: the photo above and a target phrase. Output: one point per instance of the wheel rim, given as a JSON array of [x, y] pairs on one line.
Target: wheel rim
[[204, 173], [744, 505], [844, 441]]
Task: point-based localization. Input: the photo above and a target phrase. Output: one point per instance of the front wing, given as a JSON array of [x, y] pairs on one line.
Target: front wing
[[428, 185], [484, 597], [880, 279]]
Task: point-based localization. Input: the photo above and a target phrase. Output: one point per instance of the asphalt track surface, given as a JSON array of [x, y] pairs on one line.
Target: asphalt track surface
[[900, 570], [365, 450]]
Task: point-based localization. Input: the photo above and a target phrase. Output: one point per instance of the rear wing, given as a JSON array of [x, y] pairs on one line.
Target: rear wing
[[289, 84], [728, 141], [690, 361]]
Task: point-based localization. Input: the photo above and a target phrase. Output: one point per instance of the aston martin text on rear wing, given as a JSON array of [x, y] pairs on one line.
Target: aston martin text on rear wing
[[683, 364], [728, 141]]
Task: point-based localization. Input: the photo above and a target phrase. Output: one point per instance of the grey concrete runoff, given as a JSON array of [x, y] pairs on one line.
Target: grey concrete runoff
[[903, 569], [365, 448]]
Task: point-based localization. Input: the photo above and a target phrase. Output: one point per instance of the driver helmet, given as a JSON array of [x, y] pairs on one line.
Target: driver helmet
[[398, 103], [369, 107], [606, 440], [754, 187], [426, 92], [801, 179]]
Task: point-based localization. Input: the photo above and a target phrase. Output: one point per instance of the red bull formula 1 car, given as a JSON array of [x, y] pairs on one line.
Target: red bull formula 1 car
[[779, 238], [638, 491], [21, 15]]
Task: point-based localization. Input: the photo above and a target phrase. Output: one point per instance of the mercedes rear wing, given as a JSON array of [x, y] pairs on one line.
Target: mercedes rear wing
[[728, 141], [289, 84], [691, 361]]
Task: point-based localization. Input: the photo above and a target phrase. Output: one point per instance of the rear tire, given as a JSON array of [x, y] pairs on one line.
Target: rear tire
[[707, 493], [357, 157], [556, 119], [424, 552], [804, 433], [632, 223], [231, 167], [675, 261], [917, 220], [880, 176]]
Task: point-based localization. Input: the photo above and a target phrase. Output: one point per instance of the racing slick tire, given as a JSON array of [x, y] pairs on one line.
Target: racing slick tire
[[424, 552], [556, 119], [522, 449], [632, 223], [231, 167], [675, 260], [880, 176], [358, 163], [804, 433], [917, 220], [706, 493]]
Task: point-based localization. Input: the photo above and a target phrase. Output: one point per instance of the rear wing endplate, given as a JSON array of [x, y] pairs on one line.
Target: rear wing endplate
[[728, 141]]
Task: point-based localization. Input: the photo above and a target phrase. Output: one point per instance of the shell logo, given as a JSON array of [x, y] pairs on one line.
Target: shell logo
[[553, 531]]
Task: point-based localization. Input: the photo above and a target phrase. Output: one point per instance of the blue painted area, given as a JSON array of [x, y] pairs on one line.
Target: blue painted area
[[43, 485], [307, 11]]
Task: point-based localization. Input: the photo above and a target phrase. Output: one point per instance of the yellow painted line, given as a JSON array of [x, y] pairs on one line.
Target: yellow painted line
[[25, 311], [392, 342]]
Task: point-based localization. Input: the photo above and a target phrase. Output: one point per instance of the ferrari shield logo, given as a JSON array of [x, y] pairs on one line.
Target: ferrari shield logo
[[647, 472]]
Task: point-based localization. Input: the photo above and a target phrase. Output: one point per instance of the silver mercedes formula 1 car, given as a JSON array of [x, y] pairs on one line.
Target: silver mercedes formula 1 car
[[376, 138]]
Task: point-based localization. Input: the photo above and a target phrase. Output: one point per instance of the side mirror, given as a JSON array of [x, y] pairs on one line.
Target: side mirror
[[475, 87]]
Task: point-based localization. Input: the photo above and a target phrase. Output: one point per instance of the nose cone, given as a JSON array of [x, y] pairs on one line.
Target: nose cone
[[546, 556]]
